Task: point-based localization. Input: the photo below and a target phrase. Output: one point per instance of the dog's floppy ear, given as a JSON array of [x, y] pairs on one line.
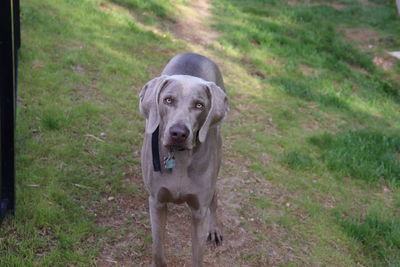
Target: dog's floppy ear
[[218, 109], [149, 102]]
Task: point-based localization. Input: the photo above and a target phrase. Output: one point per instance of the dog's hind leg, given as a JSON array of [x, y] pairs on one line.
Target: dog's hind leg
[[214, 232], [158, 218]]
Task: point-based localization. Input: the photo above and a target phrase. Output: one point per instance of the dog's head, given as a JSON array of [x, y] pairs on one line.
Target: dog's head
[[185, 108]]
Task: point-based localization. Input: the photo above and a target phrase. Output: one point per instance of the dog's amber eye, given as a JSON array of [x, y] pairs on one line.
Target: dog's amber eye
[[168, 100], [199, 105]]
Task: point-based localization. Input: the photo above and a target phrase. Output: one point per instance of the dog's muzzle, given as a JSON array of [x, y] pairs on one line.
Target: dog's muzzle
[[178, 134]]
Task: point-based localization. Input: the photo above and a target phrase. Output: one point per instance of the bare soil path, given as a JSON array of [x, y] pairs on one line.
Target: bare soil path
[[191, 25]]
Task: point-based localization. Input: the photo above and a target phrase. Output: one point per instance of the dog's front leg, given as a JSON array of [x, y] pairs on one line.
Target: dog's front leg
[[158, 218], [199, 234], [214, 232]]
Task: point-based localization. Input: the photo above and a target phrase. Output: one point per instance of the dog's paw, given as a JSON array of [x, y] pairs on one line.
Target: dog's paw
[[215, 237]]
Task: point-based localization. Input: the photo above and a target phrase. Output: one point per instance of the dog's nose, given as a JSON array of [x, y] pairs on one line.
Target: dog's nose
[[178, 133]]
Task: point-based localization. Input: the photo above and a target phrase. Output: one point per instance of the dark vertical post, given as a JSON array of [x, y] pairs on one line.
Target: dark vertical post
[[9, 43]]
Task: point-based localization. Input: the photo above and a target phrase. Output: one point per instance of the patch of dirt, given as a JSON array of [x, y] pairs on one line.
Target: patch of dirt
[[273, 62], [338, 5], [310, 3], [294, 2], [37, 64], [368, 2], [251, 235], [253, 70], [307, 71], [126, 216], [191, 25], [364, 38], [78, 69], [385, 63], [104, 8], [311, 125], [371, 42]]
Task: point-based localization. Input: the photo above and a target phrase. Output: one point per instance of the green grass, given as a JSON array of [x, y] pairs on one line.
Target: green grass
[[297, 160], [312, 132], [368, 155], [379, 234]]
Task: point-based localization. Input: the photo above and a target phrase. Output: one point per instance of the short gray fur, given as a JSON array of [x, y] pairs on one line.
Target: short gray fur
[[188, 95], [194, 65]]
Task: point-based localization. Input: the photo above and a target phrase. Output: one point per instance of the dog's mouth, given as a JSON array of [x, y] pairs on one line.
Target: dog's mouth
[[176, 147]]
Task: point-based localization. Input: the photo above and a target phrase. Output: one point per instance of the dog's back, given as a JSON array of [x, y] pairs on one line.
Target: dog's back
[[194, 65]]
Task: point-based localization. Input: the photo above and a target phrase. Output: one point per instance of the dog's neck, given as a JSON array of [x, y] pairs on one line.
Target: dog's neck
[[182, 158]]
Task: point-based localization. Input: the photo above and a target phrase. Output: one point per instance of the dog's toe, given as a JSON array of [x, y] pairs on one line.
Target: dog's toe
[[215, 237]]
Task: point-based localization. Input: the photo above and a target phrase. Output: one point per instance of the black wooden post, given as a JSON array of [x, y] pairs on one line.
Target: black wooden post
[[9, 44]]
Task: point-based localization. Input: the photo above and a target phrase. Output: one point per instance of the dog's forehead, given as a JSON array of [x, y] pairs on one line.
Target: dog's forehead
[[189, 85]]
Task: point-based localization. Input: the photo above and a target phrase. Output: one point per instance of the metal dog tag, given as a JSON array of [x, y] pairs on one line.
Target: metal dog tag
[[169, 162]]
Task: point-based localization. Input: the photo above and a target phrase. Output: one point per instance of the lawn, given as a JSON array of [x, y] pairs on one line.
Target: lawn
[[311, 172]]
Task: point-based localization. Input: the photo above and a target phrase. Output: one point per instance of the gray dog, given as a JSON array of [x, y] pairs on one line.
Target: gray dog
[[184, 108]]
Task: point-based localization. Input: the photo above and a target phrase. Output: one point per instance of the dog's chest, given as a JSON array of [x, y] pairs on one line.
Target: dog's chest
[[182, 182], [181, 179]]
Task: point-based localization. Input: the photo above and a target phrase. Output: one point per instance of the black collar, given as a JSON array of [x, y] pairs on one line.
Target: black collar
[[155, 150]]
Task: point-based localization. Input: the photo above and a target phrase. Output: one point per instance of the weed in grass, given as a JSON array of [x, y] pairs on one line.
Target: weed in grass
[[53, 118], [297, 160], [366, 154], [50, 122]]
